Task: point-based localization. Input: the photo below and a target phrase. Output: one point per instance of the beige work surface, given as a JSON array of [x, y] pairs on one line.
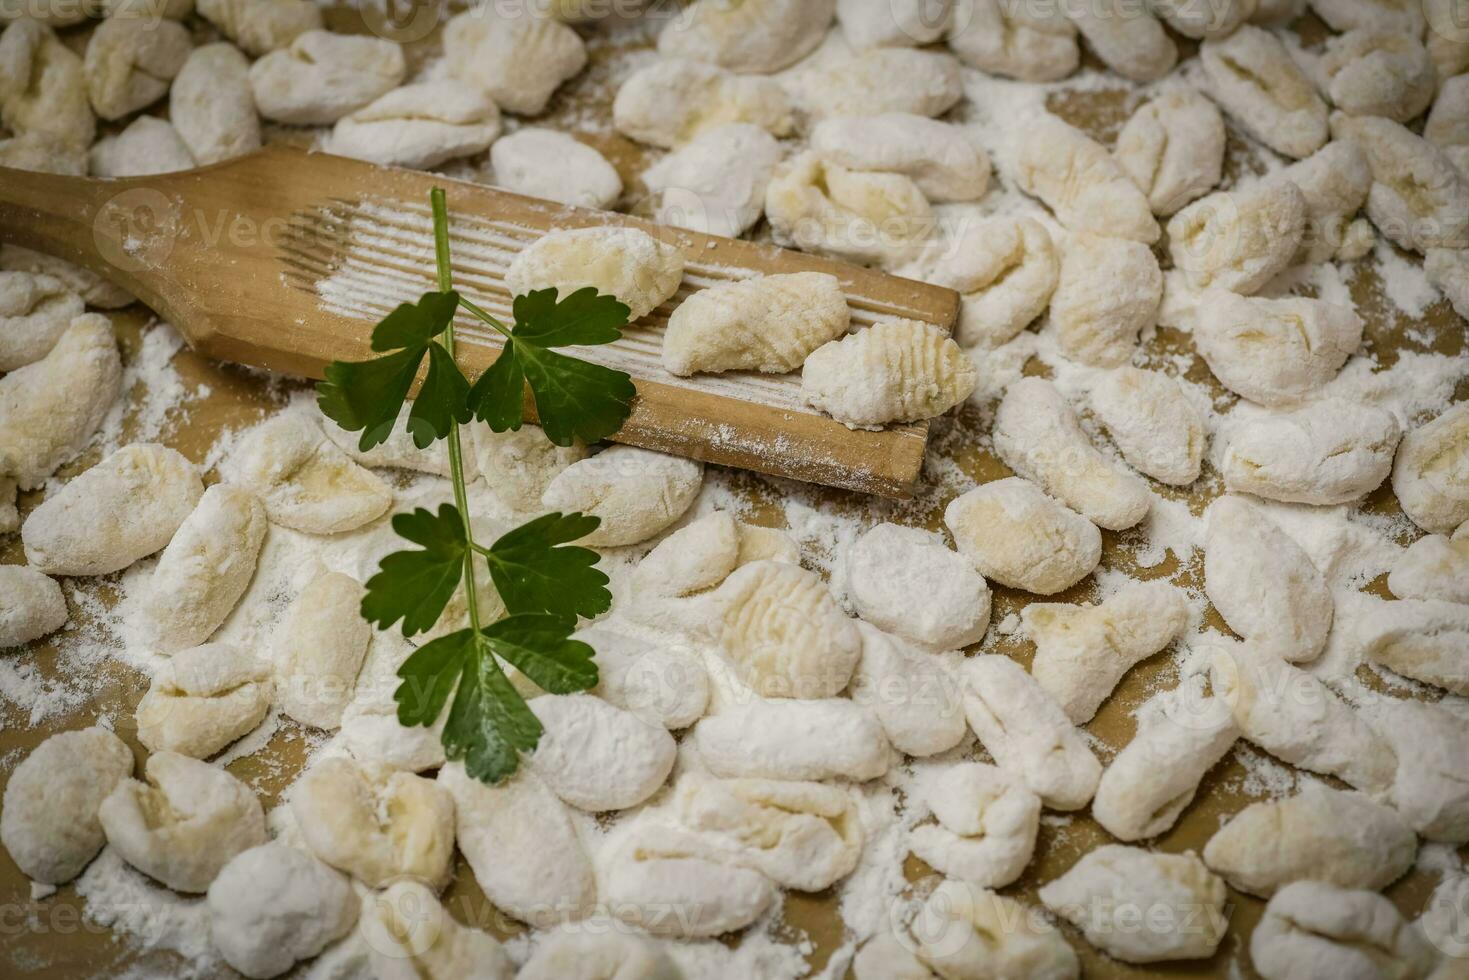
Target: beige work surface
[[51, 939]]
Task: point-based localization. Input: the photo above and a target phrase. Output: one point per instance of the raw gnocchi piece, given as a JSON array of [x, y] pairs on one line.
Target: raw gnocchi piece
[[202, 700], [553, 165], [1006, 269], [519, 59], [1378, 73], [1433, 567], [1239, 240], [322, 77], [913, 694], [1142, 906], [673, 102], [964, 931], [148, 146], [1038, 436], [716, 183], [320, 650], [1448, 269], [853, 215], [1173, 148], [1018, 536], [1154, 425], [1330, 452], [1204, 20], [376, 825], [1155, 776], [1034, 43], [1419, 199], [1315, 931], [767, 323], [410, 935], [48, 821], [988, 820], [614, 955], [1382, 15], [262, 26], [1127, 37], [131, 61], [1027, 732], [1295, 717], [205, 568], [1275, 351], [52, 13], [883, 80], [1083, 652], [1320, 834], [371, 732], [1108, 292], [906, 581], [517, 465], [886, 957], [886, 24], [626, 263], [31, 605], [1081, 183], [598, 757], [212, 106], [42, 153], [1447, 125], [635, 492], [43, 86], [1335, 181], [184, 824], [35, 310], [125, 508], [833, 738], [1431, 790], [50, 409], [663, 685], [519, 841], [753, 37], [418, 126], [89, 285], [1422, 639], [944, 161], [1253, 78], [893, 371], [304, 480], [275, 905], [1430, 475]]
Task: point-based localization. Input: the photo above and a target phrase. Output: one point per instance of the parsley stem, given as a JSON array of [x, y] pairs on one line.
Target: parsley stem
[[475, 311]]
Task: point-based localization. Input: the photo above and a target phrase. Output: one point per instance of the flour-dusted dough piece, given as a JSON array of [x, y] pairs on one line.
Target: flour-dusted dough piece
[[1448, 44], [185, 823], [1083, 652], [664, 685], [574, 952], [50, 409], [945, 161], [1006, 270], [125, 508], [673, 102], [1380, 15], [893, 371], [1155, 776], [1448, 269], [888, 24], [1431, 790], [321, 646], [409, 935], [1419, 198], [883, 80], [48, 820], [322, 77], [262, 26], [1127, 37], [1181, 903], [766, 323], [418, 126], [1422, 639], [518, 58], [1108, 292], [376, 825], [906, 581], [886, 957], [1204, 20], [1331, 451], [148, 146], [1315, 931], [274, 905], [627, 263], [519, 841], [1430, 475], [1239, 240], [965, 932], [715, 183], [556, 166], [1157, 428], [97, 291], [635, 492], [988, 822], [1433, 567], [1038, 436], [1275, 351], [1254, 79], [205, 568], [42, 153], [35, 310], [517, 465], [304, 480], [1018, 536], [31, 605], [1295, 717], [212, 106], [1173, 148], [853, 215], [1081, 183], [754, 36], [1378, 73], [1032, 43], [1447, 125], [1028, 733], [131, 61], [1335, 181], [1320, 834], [832, 738], [913, 694], [202, 700], [43, 86], [596, 756]]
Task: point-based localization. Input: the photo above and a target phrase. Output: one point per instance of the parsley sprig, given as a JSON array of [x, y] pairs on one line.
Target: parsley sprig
[[544, 581]]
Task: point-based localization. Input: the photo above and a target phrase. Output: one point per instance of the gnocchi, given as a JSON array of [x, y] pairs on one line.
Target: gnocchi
[[202, 700], [1431, 790], [35, 310], [519, 464], [627, 263], [596, 756], [398, 451], [913, 695], [1378, 73], [43, 154], [1330, 452], [767, 323], [1448, 269], [1081, 183], [854, 215], [673, 102], [906, 581], [1335, 181], [45, 92], [1204, 20], [89, 285], [1018, 536], [321, 77], [988, 820], [1253, 78], [147, 146], [556, 166], [665, 686], [519, 59], [371, 732], [1430, 474], [1128, 37], [635, 492], [1382, 15], [1173, 148], [418, 126], [615, 955], [410, 935], [1419, 199], [1275, 351], [944, 161], [964, 931], [131, 61], [882, 80], [893, 371], [1034, 43], [212, 106], [1108, 293], [1152, 422], [716, 183], [31, 605], [1006, 270], [884, 24], [1433, 567], [833, 738], [320, 649], [1422, 639], [262, 26], [1447, 125], [756, 36], [1316, 931], [1239, 240]]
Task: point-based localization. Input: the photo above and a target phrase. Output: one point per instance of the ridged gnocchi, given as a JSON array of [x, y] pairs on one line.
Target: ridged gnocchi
[[1316, 931], [322, 77], [1430, 475], [913, 695], [988, 820], [1253, 78], [31, 605], [854, 215], [893, 371], [755, 36], [1275, 351], [831, 738], [1154, 425], [1018, 536], [673, 102], [202, 700], [767, 323], [1173, 148], [635, 492], [1108, 293], [944, 161], [1006, 270], [1081, 183], [320, 648], [518, 58], [869, 83], [596, 756], [1329, 452], [627, 263]]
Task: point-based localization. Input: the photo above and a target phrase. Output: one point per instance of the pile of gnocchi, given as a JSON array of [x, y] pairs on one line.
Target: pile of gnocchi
[[769, 719]]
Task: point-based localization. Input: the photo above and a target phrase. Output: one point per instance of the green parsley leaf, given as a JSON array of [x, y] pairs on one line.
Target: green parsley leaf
[[429, 675], [540, 645], [415, 586], [415, 324], [441, 402], [583, 318], [534, 575], [489, 722]]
